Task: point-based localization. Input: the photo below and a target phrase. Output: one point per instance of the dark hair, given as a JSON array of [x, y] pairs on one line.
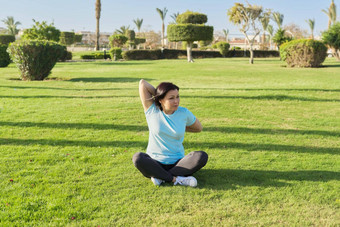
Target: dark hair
[[161, 91]]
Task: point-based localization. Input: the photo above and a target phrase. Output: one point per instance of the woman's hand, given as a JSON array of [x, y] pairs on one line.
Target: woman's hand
[[195, 127]]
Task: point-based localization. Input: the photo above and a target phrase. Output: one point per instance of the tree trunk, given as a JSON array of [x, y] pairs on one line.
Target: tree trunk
[[251, 59], [97, 35], [189, 51], [163, 35]]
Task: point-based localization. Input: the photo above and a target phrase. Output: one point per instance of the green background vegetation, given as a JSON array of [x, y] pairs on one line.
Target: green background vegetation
[[271, 132]]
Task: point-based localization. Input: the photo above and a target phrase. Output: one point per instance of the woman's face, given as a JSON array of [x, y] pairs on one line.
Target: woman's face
[[170, 102]]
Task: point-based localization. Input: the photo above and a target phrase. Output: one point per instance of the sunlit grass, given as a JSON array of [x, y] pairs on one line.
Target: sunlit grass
[[271, 132]]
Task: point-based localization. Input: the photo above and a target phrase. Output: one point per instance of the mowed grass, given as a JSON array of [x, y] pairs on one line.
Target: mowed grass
[[271, 132]]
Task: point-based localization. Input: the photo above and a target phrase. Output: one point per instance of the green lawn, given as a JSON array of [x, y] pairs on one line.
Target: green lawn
[[271, 132]]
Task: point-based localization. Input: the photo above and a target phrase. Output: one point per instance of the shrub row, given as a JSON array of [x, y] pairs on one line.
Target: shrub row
[[99, 55], [4, 56], [174, 54], [6, 39]]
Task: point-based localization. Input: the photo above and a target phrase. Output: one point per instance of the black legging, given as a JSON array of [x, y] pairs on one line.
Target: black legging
[[186, 166]]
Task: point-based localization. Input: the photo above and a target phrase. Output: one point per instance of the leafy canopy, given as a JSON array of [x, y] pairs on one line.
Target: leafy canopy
[[42, 31]]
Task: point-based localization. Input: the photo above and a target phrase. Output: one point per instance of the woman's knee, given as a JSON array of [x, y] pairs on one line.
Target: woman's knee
[[200, 156], [137, 158]]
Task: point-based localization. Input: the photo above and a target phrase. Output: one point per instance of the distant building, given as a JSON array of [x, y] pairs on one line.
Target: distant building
[[89, 38]]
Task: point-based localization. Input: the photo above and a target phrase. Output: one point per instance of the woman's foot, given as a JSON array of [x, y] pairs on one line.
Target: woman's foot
[[186, 181], [156, 181]]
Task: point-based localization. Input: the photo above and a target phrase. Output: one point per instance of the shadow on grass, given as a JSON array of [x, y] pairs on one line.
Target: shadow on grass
[[265, 97], [106, 79], [188, 146], [266, 89], [138, 128], [224, 179], [66, 89]]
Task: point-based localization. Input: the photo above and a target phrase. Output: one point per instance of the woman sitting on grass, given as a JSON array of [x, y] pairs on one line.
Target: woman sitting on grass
[[164, 160]]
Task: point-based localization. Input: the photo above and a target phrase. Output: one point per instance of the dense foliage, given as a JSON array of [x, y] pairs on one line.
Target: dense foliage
[[67, 38], [42, 31], [223, 48], [6, 39], [116, 53], [4, 57], [332, 38], [303, 53], [35, 59], [191, 18], [189, 32], [142, 54], [78, 38], [118, 40]]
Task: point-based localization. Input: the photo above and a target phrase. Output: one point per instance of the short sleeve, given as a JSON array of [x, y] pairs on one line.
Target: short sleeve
[[190, 118], [151, 109]]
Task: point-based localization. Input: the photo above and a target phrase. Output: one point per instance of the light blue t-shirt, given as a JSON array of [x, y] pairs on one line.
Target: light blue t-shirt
[[166, 133]]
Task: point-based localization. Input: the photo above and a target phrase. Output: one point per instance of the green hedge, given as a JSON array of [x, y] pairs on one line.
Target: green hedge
[[35, 59], [189, 32], [67, 38], [66, 55], [6, 39], [174, 54], [96, 55], [4, 56], [303, 53], [142, 54]]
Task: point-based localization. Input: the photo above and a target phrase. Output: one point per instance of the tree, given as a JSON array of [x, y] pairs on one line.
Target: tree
[[98, 9], [270, 30], [311, 24], [162, 14], [138, 22], [248, 18], [174, 16], [42, 31], [295, 31], [331, 13], [332, 38], [226, 33], [190, 27], [11, 25], [280, 38], [265, 22], [122, 30], [278, 18]]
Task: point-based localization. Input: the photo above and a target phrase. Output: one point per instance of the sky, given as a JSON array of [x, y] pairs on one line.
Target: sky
[[79, 15]]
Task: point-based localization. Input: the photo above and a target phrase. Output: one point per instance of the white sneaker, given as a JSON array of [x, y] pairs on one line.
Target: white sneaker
[[186, 181], [156, 181]]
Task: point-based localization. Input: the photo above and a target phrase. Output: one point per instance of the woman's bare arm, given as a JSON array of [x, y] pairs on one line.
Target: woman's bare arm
[[146, 91], [196, 127]]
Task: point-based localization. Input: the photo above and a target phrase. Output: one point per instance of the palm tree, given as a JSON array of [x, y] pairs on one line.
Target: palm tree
[[138, 22], [270, 30], [278, 18], [98, 9], [226, 33], [265, 22], [174, 16], [162, 14], [122, 30], [11, 25], [331, 13], [311, 24]]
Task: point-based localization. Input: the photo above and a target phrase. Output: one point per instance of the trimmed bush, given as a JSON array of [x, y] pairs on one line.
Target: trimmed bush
[[117, 51], [303, 53], [223, 48], [35, 59], [4, 56], [130, 34], [189, 32], [118, 40], [142, 54], [191, 18], [6, 39], [67, 55], [67, 38], [78, 38], [95, 55]]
